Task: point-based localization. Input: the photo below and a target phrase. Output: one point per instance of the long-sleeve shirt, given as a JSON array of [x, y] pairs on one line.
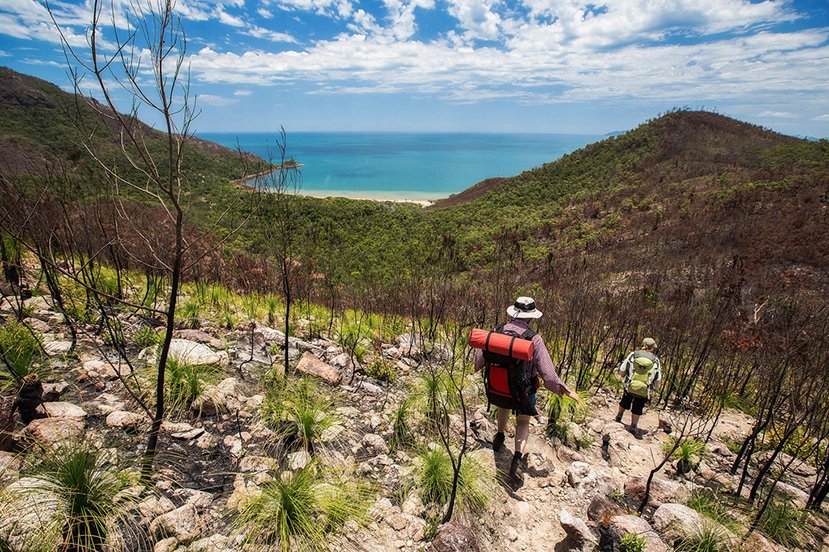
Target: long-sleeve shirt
[[541, 364]]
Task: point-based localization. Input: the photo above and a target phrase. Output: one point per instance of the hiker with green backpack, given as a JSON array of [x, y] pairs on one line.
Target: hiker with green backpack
[[642, 374]]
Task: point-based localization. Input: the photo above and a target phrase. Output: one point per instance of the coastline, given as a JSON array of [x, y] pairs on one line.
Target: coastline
[[362, 195], [367, 195]]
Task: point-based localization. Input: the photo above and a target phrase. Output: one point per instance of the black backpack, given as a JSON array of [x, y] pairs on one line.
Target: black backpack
[[506, 379]]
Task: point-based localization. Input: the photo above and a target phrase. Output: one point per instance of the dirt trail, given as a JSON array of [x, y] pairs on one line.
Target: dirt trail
[[557, 478], [530, 513], [529, 516]]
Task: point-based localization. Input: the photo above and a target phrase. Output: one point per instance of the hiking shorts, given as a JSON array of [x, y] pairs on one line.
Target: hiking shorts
[[526, 412], [634, 404]]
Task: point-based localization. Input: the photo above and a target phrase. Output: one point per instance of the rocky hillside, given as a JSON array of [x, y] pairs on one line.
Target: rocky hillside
[[222, 450]]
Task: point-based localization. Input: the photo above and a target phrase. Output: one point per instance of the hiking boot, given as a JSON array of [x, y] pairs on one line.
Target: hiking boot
[[618, 419], [517, 467], [637, 433], [498, 442]]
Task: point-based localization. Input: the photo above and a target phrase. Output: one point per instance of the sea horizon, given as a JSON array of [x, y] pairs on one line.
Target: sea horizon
[[404, 166]]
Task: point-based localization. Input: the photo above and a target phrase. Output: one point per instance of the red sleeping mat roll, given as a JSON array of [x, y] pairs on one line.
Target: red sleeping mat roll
[[502, 344]]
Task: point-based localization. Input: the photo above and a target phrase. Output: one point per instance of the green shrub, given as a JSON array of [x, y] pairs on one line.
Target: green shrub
[[298, 510], [434, 474], [146, 337], [631, 542], [21, 351], [563, 411], [105, 282], [708, 537], [434, 392], [707, 503], [153, 291], [733, 444], [297, 412], [80, 312], [390, 328], [402, 432], [189, 312], [228, 319], [186, 382], [271, 304], [799, 444], [688, 454], [274, 383], [785, 524], [218, 296], [351, 338], [316, 328], [381, 370]]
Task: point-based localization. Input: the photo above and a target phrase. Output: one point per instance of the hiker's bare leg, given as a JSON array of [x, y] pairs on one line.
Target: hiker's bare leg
[[522, 431], [634, 420], [503, 417], [621, 411]]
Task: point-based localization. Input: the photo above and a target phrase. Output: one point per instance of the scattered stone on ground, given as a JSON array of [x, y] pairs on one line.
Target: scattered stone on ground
[[312, 366]]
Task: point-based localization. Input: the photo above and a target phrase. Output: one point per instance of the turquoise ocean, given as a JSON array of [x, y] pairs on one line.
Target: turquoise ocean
[[411, 166]]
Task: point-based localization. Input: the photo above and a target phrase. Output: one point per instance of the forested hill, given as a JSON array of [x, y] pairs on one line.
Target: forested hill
[[41, 126], [687, 186]]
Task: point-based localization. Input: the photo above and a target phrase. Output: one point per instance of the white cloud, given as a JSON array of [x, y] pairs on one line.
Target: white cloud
[[227, 19], [267, 34], [335, 8], [535, 52], [43, 62], [24, 27], [822, 117], [780, 114], [757, 67], [401, 17], [364, 23], [624, 21], [215, 101], [242, 92], [476, 18]]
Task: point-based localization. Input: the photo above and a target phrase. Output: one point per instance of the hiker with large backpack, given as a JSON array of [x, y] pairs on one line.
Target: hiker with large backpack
[[643, 372], [512, 357]]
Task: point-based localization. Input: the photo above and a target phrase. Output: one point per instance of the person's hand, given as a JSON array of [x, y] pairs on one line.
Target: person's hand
[[575, 396]]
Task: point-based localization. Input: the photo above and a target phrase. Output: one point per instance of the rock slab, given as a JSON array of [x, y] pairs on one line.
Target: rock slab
[[196, 353], [181, 523], [662, 491], [623, 525], [54, 430], [454, 537], [312, 366], [578, 533]]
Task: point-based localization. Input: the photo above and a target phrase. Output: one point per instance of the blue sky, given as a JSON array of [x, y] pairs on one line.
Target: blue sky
[[472, 65]]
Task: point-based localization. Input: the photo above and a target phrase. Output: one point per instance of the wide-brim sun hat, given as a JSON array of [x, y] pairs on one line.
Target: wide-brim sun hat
[[524, 307]]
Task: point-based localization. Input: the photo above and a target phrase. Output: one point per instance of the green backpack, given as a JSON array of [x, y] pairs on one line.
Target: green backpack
[[643, 364]]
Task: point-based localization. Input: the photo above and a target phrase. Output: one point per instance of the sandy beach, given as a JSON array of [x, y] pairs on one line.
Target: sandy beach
[[369, 196]]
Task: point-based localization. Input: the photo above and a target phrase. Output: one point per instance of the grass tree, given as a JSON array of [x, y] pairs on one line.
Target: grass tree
[[301, 509], [81, 496]]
